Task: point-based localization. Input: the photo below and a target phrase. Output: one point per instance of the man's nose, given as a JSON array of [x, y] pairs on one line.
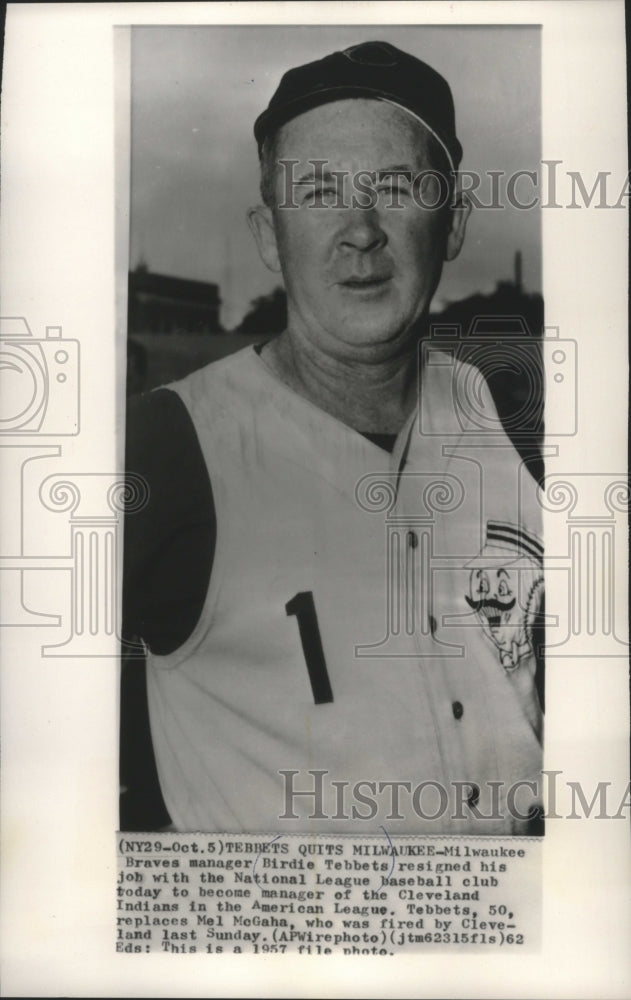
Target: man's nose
[[362, 230]]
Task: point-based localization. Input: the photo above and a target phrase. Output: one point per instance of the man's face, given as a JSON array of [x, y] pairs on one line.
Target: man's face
[[357, 278]]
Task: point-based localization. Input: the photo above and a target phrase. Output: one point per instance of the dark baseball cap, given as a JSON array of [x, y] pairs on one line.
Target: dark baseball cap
[[374, 70]]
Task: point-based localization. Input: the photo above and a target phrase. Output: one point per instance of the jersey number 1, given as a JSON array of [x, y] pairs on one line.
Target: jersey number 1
[[303, 607]]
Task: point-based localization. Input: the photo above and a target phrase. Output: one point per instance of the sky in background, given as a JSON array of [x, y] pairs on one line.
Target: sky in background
[[194, 166]]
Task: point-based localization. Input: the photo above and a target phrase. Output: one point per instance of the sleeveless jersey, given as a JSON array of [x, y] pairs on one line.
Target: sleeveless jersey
[[364, 655]]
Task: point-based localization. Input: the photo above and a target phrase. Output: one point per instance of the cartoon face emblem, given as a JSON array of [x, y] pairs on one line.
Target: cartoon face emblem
[[507, 620]]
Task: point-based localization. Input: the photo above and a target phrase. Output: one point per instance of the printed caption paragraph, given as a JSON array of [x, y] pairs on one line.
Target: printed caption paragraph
[[214, 894]]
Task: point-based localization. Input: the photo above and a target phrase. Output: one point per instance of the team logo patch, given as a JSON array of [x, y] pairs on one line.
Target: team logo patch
[[506, 589]]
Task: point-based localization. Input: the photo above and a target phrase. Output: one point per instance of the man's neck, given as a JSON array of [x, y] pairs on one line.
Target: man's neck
[[372, 397]]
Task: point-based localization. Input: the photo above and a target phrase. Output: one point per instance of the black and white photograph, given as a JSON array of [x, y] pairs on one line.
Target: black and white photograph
[[338, 572]]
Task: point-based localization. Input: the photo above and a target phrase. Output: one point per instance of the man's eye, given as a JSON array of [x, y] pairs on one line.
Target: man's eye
[[503, 589], [325, 195], [394, 186]]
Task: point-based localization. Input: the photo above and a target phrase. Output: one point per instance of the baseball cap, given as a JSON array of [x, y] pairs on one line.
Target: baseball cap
[[508, 545], [374, 70]]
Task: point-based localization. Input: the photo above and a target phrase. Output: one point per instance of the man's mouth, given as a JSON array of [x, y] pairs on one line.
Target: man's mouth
[[367, 282]]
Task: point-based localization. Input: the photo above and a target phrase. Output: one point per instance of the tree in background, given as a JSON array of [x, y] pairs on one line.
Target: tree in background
[[267, 314]]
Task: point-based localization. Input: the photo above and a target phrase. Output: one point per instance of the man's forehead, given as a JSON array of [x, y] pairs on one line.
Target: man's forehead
[[351, 129]]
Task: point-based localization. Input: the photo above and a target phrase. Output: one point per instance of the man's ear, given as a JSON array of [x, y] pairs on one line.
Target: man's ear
[[457, 226], [261, 223]]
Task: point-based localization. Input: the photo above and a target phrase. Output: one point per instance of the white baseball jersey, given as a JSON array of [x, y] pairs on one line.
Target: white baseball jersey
[[367, 621]]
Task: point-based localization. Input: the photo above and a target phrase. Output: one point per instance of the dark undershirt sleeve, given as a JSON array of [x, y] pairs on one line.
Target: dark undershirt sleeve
[[385, 441], [170, 542]]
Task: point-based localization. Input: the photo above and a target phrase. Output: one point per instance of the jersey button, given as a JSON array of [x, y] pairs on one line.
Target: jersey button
[[412, 539], [458, 709]]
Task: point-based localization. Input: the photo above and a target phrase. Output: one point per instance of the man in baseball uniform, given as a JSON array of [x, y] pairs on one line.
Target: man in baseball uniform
[[339, 570]]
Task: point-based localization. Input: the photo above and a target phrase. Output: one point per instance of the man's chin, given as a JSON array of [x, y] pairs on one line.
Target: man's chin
[[372, 328]]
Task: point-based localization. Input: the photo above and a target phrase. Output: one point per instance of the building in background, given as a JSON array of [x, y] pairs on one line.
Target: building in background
[[158, 303], [173, 328]]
